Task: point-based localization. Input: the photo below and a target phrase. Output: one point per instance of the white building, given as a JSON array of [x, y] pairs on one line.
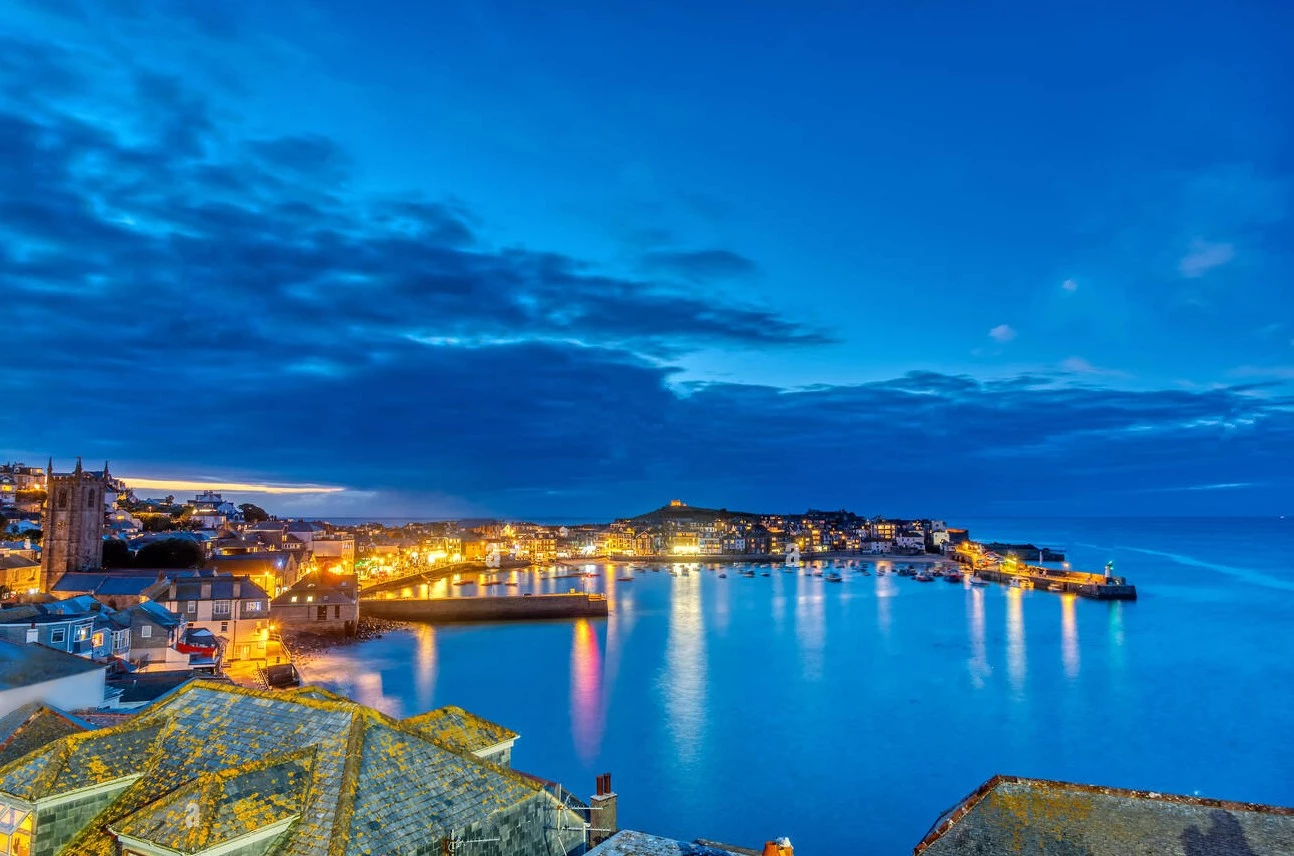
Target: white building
[[34, 673]]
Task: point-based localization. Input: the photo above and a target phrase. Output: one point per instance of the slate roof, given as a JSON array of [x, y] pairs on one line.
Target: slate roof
[[324, 589], [24, 665], [234, 801], [1008, 814], [32, 726], [345, 778], [123, 582], [9, 563], [222, 588], [627, 842], [459, 729]]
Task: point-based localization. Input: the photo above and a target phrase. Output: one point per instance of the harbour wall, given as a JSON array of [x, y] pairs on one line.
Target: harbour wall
[[446, 610]]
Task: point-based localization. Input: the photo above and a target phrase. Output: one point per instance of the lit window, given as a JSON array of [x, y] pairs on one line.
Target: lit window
[[83, 633], [294, 598]]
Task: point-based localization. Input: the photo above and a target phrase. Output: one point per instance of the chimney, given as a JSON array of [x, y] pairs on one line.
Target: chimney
[[238, 587], [205, 590], [602, 817], [170, 592]]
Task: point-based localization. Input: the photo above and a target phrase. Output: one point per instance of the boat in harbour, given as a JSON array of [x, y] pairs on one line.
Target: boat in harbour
[[978, 581], [834, 577], [923, 577]]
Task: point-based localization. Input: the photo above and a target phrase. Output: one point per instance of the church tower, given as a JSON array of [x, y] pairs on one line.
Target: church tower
[[72, 523]]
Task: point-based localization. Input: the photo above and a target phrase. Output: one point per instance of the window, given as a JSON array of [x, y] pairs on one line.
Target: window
[[89, 499], [294, 598], [83, 633], [58, 636], [224, 627], [253, 606], [220, 607], [99, 639], [321, 613], [62, 497], [310, 598], [146, 632], [191, 606], [336, 611]]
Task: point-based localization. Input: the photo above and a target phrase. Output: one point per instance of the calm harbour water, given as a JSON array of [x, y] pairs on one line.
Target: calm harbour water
[[848, 716]]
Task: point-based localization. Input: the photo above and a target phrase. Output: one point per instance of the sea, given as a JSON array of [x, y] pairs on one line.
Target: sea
[[849, 716]]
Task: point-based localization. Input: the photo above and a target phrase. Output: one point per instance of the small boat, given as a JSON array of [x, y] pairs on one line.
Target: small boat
[[977, 581], [625, 579], [673, 573], [923, 577], [465, 583], [953, 577], [764, 574], [723, 576], [509, 583], [747, 573], [817, 573], [834, 577], [494, 583]]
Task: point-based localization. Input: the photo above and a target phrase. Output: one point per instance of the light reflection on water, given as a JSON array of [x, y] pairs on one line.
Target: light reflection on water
[[730, 713], [587, 714], [1015, 646], [684, 671], [1069, 635]]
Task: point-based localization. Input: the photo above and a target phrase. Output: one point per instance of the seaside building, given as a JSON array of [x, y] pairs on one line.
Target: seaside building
[[73, 522], [1014, 815], [319, 602], [212, 768], [235, 609]]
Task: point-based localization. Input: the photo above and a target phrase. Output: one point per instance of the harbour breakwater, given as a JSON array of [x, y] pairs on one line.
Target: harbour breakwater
[[448, 610]]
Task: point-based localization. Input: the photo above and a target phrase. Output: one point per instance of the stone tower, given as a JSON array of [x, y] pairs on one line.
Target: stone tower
[[72, 523]]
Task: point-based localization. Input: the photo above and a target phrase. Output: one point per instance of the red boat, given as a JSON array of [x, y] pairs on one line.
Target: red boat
[[198, 640]]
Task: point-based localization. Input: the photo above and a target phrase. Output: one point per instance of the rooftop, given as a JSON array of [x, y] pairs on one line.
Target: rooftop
[[324, 773], [1008, 814], [627, 842], [25, 665], [459, 729]]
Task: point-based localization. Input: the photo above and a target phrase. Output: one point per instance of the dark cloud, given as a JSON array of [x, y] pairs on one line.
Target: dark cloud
[[698, 265], [190, 299]]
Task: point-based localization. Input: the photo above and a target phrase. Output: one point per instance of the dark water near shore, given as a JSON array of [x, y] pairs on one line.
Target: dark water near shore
[[848, 716]]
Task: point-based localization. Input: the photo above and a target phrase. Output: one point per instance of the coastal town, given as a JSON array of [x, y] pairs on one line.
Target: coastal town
[[131, 626]]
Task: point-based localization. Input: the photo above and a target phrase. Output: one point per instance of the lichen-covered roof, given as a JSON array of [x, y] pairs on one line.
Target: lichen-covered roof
[[347, 779], [1035, 816], [459, 729], [32, 726], [229, 804], [80, 761]]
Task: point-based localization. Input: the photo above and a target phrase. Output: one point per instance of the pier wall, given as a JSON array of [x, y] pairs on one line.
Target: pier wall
[[443, 610]]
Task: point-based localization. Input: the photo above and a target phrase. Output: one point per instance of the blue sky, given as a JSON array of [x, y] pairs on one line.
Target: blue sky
[[557, 260]]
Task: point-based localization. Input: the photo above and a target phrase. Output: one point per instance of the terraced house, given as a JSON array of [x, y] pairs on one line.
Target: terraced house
[[216, 769]]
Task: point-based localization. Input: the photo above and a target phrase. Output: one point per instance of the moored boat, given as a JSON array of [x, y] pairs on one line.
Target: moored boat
[[923, 577]]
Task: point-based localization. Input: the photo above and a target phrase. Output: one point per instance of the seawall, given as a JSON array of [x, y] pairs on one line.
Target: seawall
[[445, 610]]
